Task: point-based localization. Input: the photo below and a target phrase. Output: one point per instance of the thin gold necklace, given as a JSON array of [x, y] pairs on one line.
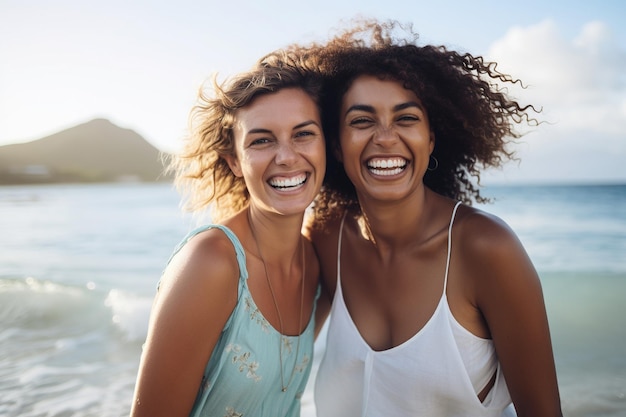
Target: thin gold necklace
[[280, 319]]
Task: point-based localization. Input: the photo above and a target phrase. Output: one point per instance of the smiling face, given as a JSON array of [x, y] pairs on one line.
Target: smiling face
[[385, 139], [280, 151]]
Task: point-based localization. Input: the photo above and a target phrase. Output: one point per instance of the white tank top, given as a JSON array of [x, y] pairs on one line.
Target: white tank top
[[437, 372]]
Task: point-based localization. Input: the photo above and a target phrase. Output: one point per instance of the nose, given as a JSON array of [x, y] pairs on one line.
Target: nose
[[385, 136], [286, 154]]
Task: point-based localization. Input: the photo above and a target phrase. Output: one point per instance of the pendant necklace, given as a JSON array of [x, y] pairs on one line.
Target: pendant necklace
[[280, 319]]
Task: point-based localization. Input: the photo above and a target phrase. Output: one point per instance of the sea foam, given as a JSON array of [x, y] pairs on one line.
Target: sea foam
[[130, 314]]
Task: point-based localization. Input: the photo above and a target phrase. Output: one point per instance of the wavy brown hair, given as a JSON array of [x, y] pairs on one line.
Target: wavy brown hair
[[470, 113], [201, 174]]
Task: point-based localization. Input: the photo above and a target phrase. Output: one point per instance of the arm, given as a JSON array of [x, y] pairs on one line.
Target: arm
[[197, 295], [322, 310], [508, 294], [325, 246]]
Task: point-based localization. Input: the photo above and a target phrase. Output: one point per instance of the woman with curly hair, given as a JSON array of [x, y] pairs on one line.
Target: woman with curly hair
[[232, 326], [437, 309]]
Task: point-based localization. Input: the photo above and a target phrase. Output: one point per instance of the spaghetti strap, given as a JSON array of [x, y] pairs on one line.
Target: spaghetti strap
[[239, 251], [445, 281], [343, 218]]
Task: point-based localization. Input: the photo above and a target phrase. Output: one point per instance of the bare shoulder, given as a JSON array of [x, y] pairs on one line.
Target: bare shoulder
[[199, 289], [482, 234], [321, 234], [490, 251], [324, 240], [207, 261]]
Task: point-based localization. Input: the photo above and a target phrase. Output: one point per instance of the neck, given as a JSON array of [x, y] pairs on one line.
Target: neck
[[394, 225], [277, 237]]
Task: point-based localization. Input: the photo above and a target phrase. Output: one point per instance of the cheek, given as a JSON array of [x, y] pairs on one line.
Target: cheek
[[351, 165], [315, 151], [321, 156], [317, 160], [349, 152], [250, 166]]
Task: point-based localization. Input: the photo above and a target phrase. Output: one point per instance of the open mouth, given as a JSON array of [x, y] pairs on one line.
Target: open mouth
[[282, 183], [386, 167]]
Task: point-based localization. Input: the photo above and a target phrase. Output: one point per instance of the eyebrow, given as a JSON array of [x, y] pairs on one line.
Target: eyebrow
[[298, 126], [397, 107]]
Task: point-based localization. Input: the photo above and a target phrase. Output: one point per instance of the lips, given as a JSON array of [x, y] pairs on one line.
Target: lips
[[288, 183], [387, 166]]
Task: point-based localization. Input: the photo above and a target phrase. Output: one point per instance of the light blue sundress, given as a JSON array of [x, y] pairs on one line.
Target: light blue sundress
[[242, 377]]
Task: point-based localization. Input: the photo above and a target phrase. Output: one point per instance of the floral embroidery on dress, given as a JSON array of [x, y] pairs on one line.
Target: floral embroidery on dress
[[243, 361], [287, 344], [255, 315], [303, 364], [288, 347], [230, 412]]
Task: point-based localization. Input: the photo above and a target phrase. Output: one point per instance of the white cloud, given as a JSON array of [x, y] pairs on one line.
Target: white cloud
[[580, 82], [581, 85]]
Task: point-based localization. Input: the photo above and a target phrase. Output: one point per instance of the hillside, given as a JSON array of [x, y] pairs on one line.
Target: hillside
[[96, 151]]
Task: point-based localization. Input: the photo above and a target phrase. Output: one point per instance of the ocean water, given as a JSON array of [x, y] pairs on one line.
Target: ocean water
[[79, 265]]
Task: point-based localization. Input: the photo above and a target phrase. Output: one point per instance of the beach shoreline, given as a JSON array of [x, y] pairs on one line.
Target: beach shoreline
[[75, 296]]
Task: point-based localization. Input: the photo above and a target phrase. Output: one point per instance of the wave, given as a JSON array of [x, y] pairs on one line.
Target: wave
[[68, 350], [31, 304], [130, 313]]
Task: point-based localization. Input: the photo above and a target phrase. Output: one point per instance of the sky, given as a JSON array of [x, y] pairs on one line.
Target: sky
[[140, 64]]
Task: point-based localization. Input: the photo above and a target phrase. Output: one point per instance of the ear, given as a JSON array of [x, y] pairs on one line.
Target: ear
[[431, 145], [233, 164]]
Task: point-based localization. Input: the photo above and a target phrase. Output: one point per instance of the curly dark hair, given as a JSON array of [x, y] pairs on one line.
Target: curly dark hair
[[470, 113]]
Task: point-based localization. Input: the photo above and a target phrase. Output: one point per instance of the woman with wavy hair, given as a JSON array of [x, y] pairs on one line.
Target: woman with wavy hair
[[232, 325]]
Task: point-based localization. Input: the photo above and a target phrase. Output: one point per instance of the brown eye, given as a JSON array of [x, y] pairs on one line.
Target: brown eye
[[361, 122]]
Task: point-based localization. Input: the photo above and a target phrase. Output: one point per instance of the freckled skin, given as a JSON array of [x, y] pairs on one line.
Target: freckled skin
[[277, 137]]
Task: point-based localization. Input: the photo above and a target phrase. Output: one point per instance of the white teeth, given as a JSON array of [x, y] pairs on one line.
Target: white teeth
[[288, 182], [387, 163], [386, 172], [387, 167]]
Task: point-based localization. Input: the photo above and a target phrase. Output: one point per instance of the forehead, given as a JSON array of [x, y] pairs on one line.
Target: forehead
[[370, 89], [286, 106]]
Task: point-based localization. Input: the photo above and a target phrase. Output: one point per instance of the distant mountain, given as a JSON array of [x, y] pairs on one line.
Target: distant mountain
[[96, 151]]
